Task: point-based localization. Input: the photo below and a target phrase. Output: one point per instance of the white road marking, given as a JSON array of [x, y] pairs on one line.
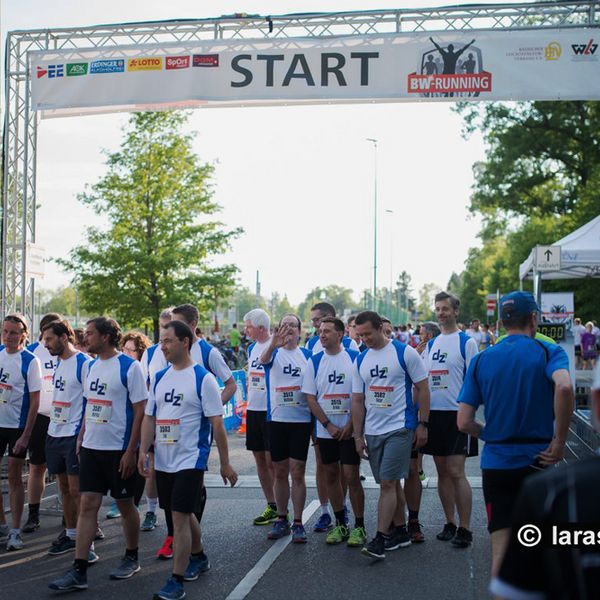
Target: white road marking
[[245, 586]]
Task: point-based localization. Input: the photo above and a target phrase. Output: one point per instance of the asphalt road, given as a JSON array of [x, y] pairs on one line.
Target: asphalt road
[[244, 562]]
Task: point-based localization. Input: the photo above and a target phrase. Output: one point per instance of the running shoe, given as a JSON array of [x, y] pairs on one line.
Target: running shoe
[[463, 538], [299, 534], [195, 567], [61, 545], [92, 557], [397, 539], [99, 534], [267, 517], [172, 590], [14, 542], [414, 530], [422, 475], [149, 523], [126, 569], [31, 525], [375, 548], [71, 580], [4, 530], [166, 550], [447, 533], [337, 535], [323, 524], [113, 512], [280, 529], [357, 538]]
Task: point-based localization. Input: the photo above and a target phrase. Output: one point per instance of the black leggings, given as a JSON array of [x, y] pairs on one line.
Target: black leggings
[[169, 514]]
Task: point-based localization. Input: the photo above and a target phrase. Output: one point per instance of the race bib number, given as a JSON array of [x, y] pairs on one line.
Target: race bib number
[[48, 384], [257, 382], [167, 431], [439, 379], [288, 396], [336, 404], [380, 396], [60, 412], [5, 392], [98, 411]]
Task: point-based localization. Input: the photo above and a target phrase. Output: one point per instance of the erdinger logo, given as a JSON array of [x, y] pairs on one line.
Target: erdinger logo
[[172, 397], [439, 356], [337, 379], [4, 375], [293, 371], [59, 384], [99, 388], [450, 70], [376, 372]]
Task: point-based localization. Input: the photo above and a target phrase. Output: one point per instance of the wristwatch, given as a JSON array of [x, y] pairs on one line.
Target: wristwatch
[[425, 424]]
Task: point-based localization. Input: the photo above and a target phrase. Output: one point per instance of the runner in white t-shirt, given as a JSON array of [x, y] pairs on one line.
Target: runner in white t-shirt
[[257, 325], [20, 384], [448, 357], [184, 406], [385, 423], [115, 394], [289, 421], [475, 332], [328, 388]]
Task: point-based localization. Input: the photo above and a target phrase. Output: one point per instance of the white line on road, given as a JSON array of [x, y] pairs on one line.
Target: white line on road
[[245, 586]]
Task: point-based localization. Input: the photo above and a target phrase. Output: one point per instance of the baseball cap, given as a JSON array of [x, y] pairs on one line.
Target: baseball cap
[[517, 304]]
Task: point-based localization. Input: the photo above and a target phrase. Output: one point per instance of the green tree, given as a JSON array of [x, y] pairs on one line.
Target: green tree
[[425, 304], [61, 301], [244, 300], [339, 296], [280, 306], [158, 247]]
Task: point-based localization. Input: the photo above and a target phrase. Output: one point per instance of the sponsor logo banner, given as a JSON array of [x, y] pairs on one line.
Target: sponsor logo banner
[[107, 66], [76, 69], [206, 60], [145, 64], [177, 62]]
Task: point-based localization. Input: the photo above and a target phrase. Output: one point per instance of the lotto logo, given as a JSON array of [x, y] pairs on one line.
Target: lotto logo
[[172, 397], [293, 371], [99, 388], [177, 62], [379, 373]]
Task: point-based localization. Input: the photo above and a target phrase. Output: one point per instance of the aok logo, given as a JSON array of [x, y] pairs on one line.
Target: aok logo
[[293, 371], [99, 388], [439, 356], [3, 375], [376, 372], [174, 398], [59, 384], [588, 49], [337, 379]]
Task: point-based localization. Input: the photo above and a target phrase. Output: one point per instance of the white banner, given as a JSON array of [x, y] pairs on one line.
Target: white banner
[[558, 308], [550, 64]]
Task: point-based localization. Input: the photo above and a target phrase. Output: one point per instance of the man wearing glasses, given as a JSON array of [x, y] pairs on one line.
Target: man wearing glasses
[[20, 385]]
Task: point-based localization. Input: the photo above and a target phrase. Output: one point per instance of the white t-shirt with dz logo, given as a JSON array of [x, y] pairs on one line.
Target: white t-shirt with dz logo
[[48, 364], [329, 378], [386, 378], [286, 403], [257, 385]]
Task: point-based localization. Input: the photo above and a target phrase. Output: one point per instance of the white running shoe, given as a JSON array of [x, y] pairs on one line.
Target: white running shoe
[[14, 542], [4, 530]]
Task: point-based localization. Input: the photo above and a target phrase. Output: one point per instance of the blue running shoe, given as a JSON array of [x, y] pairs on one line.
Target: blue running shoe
[[72, 580], [298, 534], [323, 524], [113, 512], [172, 590], [195, 567], [281, 528]]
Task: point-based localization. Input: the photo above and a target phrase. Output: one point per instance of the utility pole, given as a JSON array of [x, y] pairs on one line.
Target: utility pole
[[374, 142]]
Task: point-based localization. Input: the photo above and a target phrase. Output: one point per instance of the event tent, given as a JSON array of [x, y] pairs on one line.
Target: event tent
[[580, 255]]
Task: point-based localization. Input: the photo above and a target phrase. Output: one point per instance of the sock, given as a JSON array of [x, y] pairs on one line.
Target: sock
[[413, 515], [199, 555], [15, 531], [325, 509], [297, 521], [34, 510], [272, 505], [92, 547], [359, 522], [382, 535], [152, 504], [282, 517], [132, 553], [340, 517], [80, 565], [71, 533], [177, 578]]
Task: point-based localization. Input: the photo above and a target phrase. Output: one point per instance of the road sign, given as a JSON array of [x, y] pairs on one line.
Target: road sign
[[491, 304], [547, 258]]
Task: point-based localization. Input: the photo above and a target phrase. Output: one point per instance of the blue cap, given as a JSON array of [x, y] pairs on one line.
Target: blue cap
[[517, 304]]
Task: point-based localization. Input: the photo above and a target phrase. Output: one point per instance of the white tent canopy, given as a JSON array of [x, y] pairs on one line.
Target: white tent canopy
[[580, 255]]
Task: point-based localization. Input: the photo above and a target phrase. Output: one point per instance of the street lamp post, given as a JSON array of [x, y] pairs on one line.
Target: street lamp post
[[389, 211], [374, 142]]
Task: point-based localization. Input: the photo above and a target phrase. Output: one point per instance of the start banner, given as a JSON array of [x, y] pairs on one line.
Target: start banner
[[549, 64]]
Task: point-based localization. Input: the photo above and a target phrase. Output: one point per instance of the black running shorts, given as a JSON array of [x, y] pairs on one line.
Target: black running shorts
[[342, 451], [257, 438], [8, 439], [61, 455], [99, 473], [289, 440], [444, 437], [180, 491], [37, 442]]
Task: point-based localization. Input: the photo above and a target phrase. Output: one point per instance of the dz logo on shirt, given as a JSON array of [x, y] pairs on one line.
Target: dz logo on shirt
[[49, 365], [3, 375], [172, 397], [256, 364], [378, 373], [59, 384], [293, 371], [337, 379], [439, 356], [98, 387]]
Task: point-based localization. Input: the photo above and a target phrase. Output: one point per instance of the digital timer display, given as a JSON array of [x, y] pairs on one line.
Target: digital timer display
[[553, 330]]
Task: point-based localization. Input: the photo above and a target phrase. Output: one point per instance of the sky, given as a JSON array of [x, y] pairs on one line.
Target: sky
[[299, 180]]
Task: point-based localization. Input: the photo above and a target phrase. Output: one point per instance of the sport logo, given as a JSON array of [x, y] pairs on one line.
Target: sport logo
[[205, 60], [99, 388], [108, 66], [450, 71], [293, 371], [177, 62], [337, 379], [145, 64], [4, 375], [76, 69], [584, 51], [378, 373], [59, 384], [176, 399], [52, 71], [439, 356]]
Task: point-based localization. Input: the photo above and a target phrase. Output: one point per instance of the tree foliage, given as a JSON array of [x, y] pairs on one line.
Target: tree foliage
[[157, 249]]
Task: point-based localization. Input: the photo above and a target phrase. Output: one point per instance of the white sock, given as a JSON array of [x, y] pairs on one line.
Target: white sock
[[325, 509], [152, 504], [71, 533], [92, 546], [15, 532]]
